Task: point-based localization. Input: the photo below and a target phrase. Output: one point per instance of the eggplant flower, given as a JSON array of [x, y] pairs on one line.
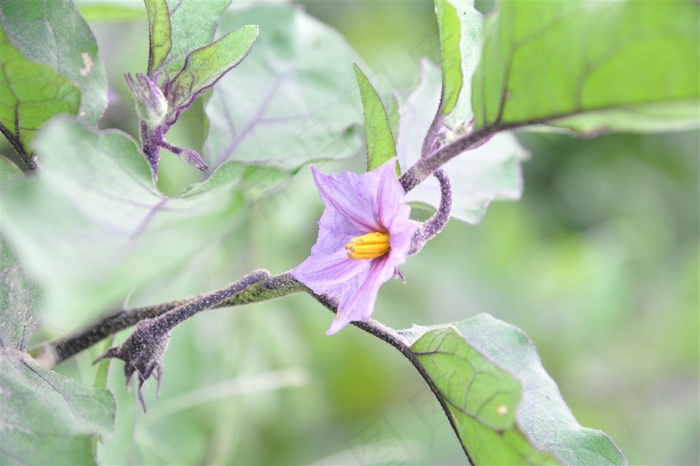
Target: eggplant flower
[[364, 235]]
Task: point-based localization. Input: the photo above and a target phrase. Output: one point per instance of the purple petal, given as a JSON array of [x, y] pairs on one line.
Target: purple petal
[[334, 232], [359, 305], [352, 195], [356, 205], [335, 275]]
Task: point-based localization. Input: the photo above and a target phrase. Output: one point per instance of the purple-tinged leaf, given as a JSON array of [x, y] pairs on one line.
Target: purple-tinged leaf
[[91, 230], [292, 100], [205, 66], [159, 33]]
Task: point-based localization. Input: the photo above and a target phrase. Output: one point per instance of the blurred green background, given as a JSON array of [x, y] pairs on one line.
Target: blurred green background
[[598, 264]]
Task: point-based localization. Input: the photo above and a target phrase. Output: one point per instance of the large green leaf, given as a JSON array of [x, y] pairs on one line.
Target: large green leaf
[[479, 176], [206, 65], [292, 100], [91, 227], [54, 34], [503, 405], [192, 24], [380, 141], [590, 66], [32, 93]]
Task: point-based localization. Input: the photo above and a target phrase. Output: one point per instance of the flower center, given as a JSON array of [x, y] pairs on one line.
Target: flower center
[[368, 246]]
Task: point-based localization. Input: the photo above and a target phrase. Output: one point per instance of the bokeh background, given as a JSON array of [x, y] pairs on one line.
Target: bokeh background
[[598, 264]]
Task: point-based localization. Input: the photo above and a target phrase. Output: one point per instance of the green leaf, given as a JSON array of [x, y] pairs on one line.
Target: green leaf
[[205, 66], [18, 294], [54, 34], [288, 102], [484, 174], [109, 13], [460, 44], [450, 34], [32, 93], [504, 407], [380, 141], [159, 33], [590, 66], [192, 26], [93, 229], [48, 418]]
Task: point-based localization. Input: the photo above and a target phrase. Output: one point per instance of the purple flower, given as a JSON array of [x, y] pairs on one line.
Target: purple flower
[[364, 235]]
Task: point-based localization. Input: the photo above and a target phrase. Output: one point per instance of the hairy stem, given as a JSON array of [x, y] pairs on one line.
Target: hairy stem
[[427, 165], [392, 337], [430, 228], [56, 351]]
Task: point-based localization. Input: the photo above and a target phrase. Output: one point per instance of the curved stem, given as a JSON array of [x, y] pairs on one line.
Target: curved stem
[[426, 166], [430, 228], [392, 337]]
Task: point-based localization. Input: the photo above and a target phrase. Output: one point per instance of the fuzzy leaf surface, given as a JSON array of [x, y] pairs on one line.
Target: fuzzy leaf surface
[[504, 406], [46, 418], [291, 101], [92, 227]]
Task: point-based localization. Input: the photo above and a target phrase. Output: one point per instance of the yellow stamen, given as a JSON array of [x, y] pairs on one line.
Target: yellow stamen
[[368, 246]]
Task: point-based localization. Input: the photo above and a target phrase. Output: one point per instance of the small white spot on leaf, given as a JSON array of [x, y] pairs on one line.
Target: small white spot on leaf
[[502, 410], [87, 64]]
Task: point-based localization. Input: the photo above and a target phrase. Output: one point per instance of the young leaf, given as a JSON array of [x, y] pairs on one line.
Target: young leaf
[[380, 141], [92, 229], [159, 33], [503, 405], [487, 173], [32, 93], [54, 34], [287, 103], [590, 66], [205, 66], [192, 26]]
